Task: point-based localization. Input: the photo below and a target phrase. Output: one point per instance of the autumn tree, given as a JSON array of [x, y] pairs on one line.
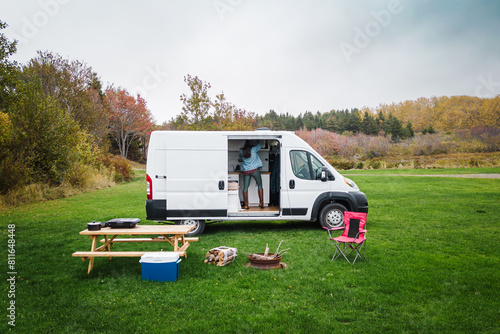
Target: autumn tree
[[45, 143], [130, 120], [241, 120], [446, 112], [8, 73], [196, 107], [76, 88], [8, 68], [223, 111]]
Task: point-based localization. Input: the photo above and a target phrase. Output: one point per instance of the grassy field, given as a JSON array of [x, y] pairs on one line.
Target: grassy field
[[433, 266], [437, 171]]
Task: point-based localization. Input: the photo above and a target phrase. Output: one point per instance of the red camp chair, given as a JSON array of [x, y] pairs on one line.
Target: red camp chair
[[353, 238]]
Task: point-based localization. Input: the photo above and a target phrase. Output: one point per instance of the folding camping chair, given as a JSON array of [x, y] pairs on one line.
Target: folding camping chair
[[353, 238]]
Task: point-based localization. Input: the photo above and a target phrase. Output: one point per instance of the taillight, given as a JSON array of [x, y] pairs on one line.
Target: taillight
[[150, 187]]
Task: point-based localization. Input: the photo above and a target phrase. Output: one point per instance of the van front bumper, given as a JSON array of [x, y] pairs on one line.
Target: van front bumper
[[361, 201]]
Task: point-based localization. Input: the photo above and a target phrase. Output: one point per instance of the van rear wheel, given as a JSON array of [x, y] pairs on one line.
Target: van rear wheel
[[332, 215], [199, 226]]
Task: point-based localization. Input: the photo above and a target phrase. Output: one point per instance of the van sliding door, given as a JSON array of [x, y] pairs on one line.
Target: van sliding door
[[196, 175]]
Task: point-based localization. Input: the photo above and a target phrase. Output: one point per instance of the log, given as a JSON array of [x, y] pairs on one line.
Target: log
[[262, 257], [267, 256], [277, 250]]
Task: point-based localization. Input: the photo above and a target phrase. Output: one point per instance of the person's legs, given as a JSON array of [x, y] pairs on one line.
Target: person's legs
[[246, 184], [258, 179]]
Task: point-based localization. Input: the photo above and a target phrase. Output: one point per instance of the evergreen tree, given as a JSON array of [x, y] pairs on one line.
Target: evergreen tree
[[380, 119], [309, 121], [369, 124], [353, 121], [408, 131]]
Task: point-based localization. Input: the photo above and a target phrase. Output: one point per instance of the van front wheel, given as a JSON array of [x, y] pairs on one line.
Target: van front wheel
[[199, 226], [332, 215]]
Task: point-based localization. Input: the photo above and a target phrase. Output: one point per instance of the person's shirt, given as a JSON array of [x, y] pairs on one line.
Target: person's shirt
[[254, 161]]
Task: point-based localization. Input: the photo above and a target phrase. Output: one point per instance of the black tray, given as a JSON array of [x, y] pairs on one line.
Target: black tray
[[123, 222]]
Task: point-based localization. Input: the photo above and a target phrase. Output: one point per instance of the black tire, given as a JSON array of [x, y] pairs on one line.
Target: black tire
[[199, 226], [332, 215]]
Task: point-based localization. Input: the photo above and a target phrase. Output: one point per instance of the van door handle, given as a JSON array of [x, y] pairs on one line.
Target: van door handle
[[292, 184], [221, 185]]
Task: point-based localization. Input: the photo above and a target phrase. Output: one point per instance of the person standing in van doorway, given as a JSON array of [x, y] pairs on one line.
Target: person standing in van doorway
[[251, 168]]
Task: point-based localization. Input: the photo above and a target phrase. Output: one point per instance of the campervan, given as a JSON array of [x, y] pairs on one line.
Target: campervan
[[195, 177]]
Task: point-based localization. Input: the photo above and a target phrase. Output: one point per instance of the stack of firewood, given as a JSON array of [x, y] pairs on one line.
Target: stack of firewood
[[221, 256]]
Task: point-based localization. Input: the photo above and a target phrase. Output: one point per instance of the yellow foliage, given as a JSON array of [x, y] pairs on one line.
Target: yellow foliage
[[5, 129], [446, 113]]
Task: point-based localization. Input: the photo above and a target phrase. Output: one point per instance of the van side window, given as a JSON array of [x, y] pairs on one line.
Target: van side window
[[305, 165], [317, 166]]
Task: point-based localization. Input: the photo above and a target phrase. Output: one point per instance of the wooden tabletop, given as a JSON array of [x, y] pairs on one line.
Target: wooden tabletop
[[142, 229]]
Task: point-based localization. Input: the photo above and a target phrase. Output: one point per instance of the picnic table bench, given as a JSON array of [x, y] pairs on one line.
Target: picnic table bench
[[173, 234]]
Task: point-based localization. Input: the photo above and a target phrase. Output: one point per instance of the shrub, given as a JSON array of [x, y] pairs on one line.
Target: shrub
[[120, 166], [324, 142], [488, 136], [375, 164], [341, 164], [429, 130]]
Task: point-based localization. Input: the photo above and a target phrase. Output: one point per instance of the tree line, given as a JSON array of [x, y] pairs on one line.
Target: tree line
[[200, 112], [340, 121], [56, 119], [398, 121]]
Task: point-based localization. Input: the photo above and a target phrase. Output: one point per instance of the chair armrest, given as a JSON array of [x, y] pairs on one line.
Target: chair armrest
[[329, 230], [334, 228]]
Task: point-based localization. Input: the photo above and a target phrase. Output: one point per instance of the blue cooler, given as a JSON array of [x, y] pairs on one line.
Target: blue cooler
[[161, 266]]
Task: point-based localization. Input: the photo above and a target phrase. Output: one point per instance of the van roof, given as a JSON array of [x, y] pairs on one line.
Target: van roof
[[291, 138]]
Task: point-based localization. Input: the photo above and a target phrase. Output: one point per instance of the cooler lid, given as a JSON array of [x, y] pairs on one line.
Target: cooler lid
[[160, 257]]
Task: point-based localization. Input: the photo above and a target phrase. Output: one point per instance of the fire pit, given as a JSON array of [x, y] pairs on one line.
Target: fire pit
[[258, 261], [266, 260]]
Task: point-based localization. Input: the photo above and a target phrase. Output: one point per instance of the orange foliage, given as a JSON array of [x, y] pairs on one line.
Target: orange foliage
[[324, 142], [129, 118]]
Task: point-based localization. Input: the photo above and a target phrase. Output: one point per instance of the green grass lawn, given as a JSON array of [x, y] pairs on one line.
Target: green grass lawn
[[433, 266], [437, 171]]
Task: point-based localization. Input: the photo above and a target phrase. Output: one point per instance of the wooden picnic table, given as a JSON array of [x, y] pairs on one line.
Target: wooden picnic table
[[173, 234]]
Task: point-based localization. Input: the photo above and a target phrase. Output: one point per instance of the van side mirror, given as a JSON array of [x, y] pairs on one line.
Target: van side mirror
[[324, 174]]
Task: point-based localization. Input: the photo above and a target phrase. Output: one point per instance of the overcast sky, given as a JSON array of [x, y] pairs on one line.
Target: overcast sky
[[290, 56]]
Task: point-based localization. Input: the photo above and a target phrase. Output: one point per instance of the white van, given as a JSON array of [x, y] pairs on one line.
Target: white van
[[195, 176]]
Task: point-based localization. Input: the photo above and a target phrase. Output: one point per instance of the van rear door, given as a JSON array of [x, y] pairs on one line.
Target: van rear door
[[196, 175]]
